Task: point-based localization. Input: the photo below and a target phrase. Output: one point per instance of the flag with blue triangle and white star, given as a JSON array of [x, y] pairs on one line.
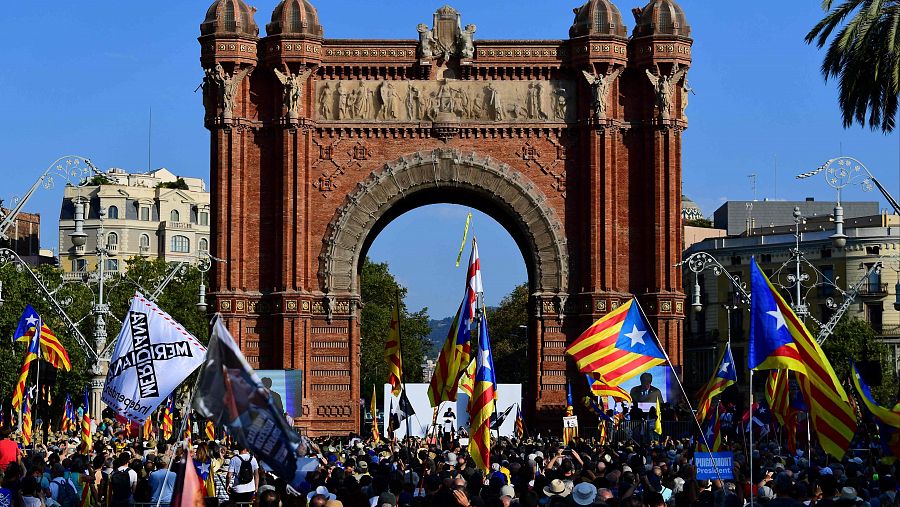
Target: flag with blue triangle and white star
[[619, 346]]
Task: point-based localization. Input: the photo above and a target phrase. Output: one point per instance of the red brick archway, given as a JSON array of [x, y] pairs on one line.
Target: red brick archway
[[317, 144]]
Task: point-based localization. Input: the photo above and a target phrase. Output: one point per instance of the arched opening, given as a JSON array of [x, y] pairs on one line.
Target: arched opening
[[420, 248], [453, 177]]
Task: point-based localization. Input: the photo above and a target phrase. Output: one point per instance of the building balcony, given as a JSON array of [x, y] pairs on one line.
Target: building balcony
[[112, 248], [145, 251], [75, 276], [873, 289]]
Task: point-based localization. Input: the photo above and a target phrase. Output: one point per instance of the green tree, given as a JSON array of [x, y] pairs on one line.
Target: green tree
[[20, 288], [379, 292], [509, 342], [178, 184], [865, 57], [854, 340]]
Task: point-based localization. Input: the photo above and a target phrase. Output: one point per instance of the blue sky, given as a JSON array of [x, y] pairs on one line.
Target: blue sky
[[80, 78]]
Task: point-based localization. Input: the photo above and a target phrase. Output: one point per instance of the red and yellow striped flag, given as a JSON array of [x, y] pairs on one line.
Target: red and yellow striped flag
[[26, 423], [619, 346], [148, 429], [31, 354], [52, 349], [445, 380], [778, 394], [481, 406], [779, 340], [373, 408], [467, 380], [210, 430], [392, 351], [167, 425], [87, 441], [604, 390]]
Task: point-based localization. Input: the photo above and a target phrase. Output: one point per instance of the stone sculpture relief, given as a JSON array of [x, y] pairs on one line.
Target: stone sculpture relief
[[664, 86], [600, 85], [426, 41], [467, 42], [514, 101], [686, 91], [446, 38], [220, 88], [292, 85], [560, 104]]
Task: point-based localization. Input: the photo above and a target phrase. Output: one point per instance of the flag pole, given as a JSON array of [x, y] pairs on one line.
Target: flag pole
[[680, 386], [750, 437], [402, 376], [37, 390]]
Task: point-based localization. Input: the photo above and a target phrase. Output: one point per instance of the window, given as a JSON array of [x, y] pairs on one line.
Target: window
[[112, 264], [827, 289], [79, 265], [204, 218], [112, 240], [174, 216], [873, 279], [181, 244], [203, 246], [873, 250], [145, 242], [765, 258], [113, 212], [874, 312], [736, 260], [145, 213]]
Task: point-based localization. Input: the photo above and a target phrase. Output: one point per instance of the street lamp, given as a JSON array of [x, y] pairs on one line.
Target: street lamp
[[79, 237], [843, 171], [797, 282], [696, 305]]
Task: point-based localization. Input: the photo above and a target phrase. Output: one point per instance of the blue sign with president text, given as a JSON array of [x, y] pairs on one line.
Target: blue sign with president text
[[714, 465]]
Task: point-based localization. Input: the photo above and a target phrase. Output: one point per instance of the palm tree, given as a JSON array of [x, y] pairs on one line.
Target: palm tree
[[865, 56]]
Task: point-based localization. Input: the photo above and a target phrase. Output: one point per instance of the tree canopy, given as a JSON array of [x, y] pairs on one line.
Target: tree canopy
[[865, 57], [509, 342], [76, 298], [379, 292], [854, 340]]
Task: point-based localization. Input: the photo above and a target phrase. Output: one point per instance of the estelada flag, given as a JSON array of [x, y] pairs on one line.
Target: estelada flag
[[779, 340], [724, 377], [619, 346]]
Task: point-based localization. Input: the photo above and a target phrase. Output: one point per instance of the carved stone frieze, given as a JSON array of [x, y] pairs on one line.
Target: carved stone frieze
[[422, 171], [469, 101]]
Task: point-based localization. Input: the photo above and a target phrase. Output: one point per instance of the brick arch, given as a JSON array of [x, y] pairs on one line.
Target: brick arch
[[443, 176]]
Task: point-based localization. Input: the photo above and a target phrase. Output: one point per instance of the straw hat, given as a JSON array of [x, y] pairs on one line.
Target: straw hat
[[557, 488]]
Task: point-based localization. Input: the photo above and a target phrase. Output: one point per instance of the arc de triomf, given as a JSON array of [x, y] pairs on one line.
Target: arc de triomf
[[573, 145]]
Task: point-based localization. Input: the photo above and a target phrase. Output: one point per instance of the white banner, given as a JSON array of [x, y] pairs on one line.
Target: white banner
[[153, 355]]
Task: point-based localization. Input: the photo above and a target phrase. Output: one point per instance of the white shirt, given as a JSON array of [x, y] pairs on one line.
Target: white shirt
[[234, 468]]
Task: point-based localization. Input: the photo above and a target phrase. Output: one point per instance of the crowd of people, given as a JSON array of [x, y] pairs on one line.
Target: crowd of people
[[122, 471]]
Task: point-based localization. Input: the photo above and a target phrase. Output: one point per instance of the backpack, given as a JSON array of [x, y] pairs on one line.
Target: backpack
[[120, 487], [245, 473], [66, 495]]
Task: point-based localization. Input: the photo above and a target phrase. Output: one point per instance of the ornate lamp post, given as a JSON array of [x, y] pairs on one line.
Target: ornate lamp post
[[796, 276], [839, 173]]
